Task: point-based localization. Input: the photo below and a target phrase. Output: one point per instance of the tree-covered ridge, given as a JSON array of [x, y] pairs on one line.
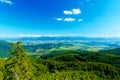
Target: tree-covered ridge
[[4, 47], [85, 56], [70, 65]]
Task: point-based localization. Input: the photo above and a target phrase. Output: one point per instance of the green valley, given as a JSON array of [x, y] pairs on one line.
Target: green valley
[[57, 61]]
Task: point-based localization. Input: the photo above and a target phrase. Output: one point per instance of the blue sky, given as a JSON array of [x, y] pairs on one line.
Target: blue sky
[[92, 18]]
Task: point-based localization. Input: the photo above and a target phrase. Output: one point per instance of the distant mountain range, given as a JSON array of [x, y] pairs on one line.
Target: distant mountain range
[[60, 38], [87, 42]]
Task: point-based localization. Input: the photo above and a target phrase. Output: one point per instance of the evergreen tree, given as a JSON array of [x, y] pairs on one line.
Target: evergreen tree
[[18, 65]]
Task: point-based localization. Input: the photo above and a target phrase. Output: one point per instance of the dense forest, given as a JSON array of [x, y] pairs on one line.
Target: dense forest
[[60, 65]]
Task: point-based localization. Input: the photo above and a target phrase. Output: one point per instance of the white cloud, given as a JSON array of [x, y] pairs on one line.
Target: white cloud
[[66, 19], [38, 35], [76, 11], [59, 19], [29, 35], [72, 12], [79, 20], [68, 12], [69, 19], [6, 1]]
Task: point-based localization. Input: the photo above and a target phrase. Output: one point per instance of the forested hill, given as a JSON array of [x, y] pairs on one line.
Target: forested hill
[[65, 65], [115, 51], [4, 47]]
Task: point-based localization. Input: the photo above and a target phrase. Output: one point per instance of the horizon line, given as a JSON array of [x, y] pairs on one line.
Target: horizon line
[[51, 35]]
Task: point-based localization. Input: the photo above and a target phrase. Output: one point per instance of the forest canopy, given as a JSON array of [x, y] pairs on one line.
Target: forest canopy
[[62, 66]]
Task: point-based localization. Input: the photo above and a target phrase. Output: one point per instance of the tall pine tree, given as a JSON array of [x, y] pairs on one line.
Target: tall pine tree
[[18, 66]]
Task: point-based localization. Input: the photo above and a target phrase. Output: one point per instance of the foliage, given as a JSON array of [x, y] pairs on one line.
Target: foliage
[[18, 65], [85, 56], [4, 47], [63, 65]]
